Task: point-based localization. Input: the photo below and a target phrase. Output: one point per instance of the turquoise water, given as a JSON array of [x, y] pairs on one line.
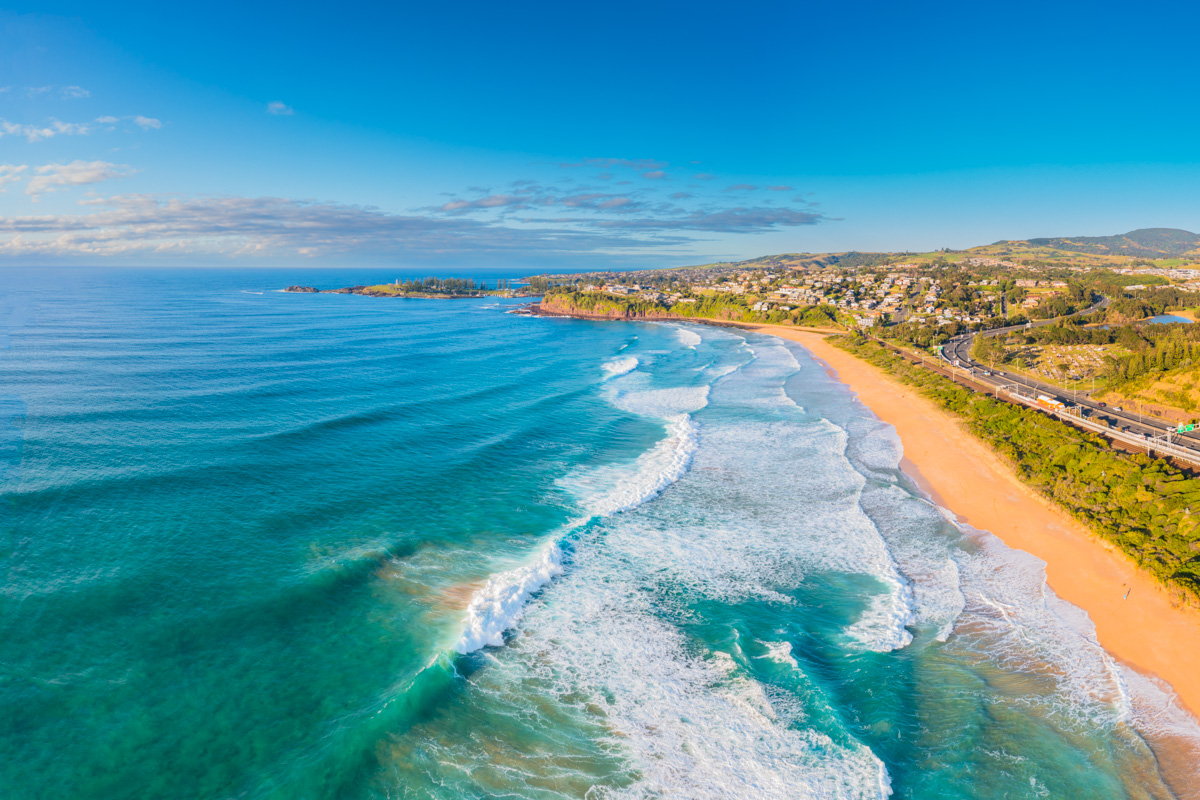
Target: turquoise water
[[263, 545], [1167, 319]]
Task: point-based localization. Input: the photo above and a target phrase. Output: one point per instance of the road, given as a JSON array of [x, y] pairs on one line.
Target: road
[[958, 351]]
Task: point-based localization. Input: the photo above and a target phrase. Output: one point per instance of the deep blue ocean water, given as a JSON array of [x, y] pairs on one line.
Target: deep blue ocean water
[[268, 545]]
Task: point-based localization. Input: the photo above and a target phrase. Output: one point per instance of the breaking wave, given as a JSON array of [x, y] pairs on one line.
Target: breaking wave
[[603, 492], [619, 366]]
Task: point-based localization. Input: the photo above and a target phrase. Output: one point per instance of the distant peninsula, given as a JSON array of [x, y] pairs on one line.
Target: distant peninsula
[[426, 288]]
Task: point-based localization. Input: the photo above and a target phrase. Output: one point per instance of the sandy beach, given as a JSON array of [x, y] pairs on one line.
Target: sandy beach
[[1145, 630]]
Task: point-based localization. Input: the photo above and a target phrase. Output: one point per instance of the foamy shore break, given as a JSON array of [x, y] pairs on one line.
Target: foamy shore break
[[1127, 613], [1144, 629], [1136, 620]]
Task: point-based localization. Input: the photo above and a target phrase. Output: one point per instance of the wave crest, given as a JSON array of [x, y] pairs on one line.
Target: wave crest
[[619, 366]]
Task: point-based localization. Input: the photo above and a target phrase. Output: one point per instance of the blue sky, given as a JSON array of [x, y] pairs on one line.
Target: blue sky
[[576, 136]]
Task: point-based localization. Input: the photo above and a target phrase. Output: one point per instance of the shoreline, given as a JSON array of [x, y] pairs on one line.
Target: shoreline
[[1135, 619], [1147, 630]]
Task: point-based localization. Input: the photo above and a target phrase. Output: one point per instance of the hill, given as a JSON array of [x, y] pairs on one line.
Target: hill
[[1142, 243]]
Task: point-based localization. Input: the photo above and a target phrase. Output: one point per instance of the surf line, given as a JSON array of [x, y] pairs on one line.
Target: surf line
[[498, 606]]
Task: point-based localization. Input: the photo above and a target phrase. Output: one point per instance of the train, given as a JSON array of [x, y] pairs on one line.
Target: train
[[1050, 403]]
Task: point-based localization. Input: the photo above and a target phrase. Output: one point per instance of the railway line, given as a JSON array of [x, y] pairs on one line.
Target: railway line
[[1133, 431]]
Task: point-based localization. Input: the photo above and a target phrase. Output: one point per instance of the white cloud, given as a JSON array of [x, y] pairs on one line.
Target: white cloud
[[11, 173], [108, 120], [146, 123], [52, 177], [726, 220], [279, 109], [36, 133], [139, 224], [64, 92], [491, 201]]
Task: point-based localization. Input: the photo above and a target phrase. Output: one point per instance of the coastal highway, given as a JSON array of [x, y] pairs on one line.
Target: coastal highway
[[958, 352]]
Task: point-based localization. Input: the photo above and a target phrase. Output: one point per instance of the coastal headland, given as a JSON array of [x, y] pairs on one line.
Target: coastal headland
[[385, 290], [426, 288], [1136, 620]]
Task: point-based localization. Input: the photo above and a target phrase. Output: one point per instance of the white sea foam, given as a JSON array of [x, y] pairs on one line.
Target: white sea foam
[[691, 726], [781, 653], [611, 490], [498, 606], [688, 337], [634, 393], [619, 366]]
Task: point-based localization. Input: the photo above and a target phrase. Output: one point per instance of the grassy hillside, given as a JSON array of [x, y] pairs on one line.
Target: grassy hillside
[[1143, 243], [1169, 247]]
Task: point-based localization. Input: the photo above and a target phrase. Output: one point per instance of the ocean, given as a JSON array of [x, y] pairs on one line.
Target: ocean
[[269, 545]]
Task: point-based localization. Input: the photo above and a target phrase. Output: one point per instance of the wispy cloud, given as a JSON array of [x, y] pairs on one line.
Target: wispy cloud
[[730, 220], [52, 177], [742, 187], [619, 203], [38, 133], [580, 216], [781, 188], [280, 109], [11, 173], [267, 226], [62, 92], [488, 202], [611, 163]]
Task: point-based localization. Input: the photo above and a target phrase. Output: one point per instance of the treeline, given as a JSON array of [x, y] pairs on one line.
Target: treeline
[[541, 284], [1155, 349], [440, 285], [1148, 303], [1141, 505], [1151, 348], [923, 336]]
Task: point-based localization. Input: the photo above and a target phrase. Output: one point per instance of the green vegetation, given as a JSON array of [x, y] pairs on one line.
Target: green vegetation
[[1141, 505], [715, 307], [443, 286], [1148, 303]]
